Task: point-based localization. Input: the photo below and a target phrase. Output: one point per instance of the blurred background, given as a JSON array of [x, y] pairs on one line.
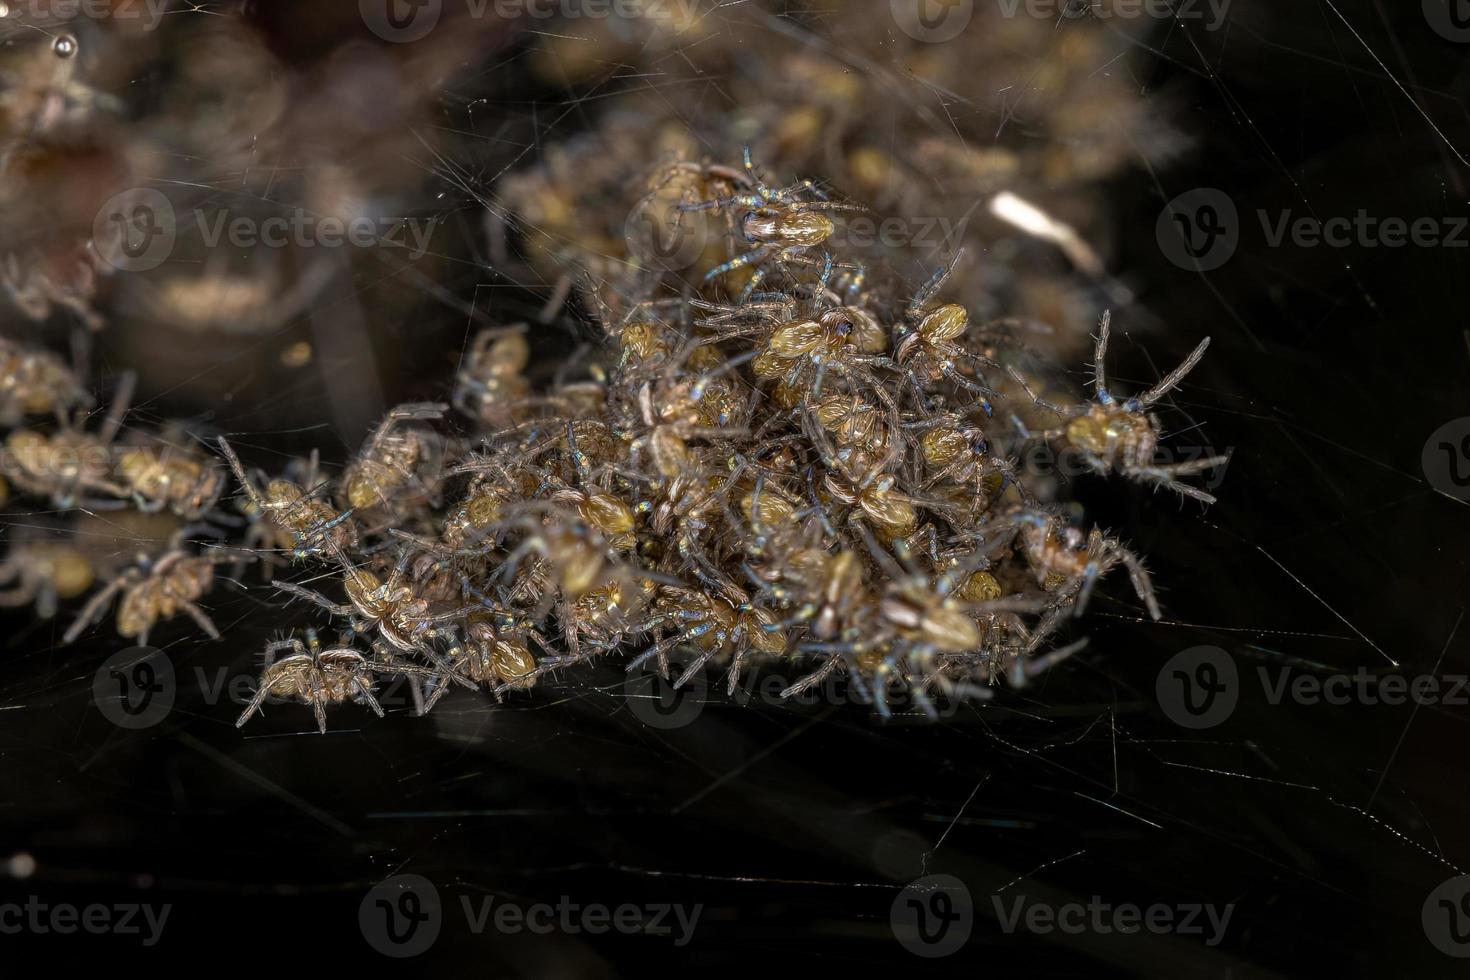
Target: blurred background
[[490, 150]]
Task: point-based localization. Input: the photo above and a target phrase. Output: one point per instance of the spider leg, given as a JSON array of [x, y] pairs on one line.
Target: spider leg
[[1171, 380], [1026, 669], [97, 605], [367, 695], [755, 255], [1142, 584], [814, 678], [201, 618], [316, 597], [254, 705], [318, 699]]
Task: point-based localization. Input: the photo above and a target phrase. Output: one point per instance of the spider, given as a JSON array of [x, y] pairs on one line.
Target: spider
[[775, 221], [714, 626], [928, 350], [388, 459], [320, 677], [956, 451], [288, 517], [1068, 564], [391, 608], [70, 463], [44, 572], [493, 653], [489, 382], [36, 382], [155, 589], [1123, 436], [920, 621], [170, 479]]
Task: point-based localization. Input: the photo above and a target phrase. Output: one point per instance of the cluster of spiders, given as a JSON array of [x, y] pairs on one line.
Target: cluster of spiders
[[789, 461]]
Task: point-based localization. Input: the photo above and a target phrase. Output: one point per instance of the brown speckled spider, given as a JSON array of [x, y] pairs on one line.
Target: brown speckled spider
[[156, 589], [320, 677], [775, 222], [1121, 436]]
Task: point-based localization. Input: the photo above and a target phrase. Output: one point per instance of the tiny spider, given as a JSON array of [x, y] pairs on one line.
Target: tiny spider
[[777, 222], [1122, 435], [406, 621], [1068, 564], [714, 626], [389, 459], [492, 654], [288, 517], [490, 382], [320, 677], [70, 463], [44, 572], [929, 349], [168, 478], [36, 382], [155, 589]]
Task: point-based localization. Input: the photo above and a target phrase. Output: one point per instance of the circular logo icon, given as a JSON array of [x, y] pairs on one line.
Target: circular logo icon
[[1199, 230], [1446, 917], [670, 243], [1446, 459], [658, 703], [400, 21], [134, 231], [1199, 687], [1450, 19], [932, 21], [135, 688], [933, 916], [401, 917]]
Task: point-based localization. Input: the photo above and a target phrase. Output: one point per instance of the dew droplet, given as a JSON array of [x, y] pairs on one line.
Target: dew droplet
[[65, 46]]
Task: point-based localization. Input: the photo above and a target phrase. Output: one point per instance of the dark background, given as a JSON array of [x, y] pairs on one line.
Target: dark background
[[1327, 827]]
